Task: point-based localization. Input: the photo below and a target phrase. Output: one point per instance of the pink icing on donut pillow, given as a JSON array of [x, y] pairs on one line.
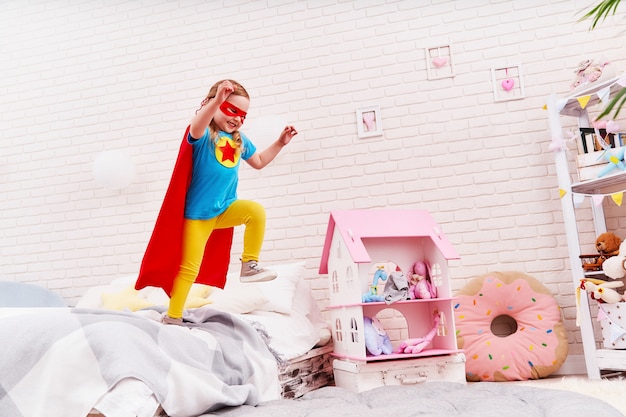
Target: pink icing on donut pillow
[[510, 327]]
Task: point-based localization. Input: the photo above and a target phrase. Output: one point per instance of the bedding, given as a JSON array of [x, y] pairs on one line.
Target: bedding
[[431, 399], [110, 355], [62, 362], [283, 310]]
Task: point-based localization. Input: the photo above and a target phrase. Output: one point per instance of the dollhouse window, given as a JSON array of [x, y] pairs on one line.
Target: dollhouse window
[[354, 330], [349, 274], [436, 275], [335, 282], [338, 331]]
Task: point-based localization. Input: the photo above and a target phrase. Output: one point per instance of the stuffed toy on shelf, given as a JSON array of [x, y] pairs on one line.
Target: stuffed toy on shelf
[[615, 266], [376, 340], [607, 244], [602, 291], [420, 284]]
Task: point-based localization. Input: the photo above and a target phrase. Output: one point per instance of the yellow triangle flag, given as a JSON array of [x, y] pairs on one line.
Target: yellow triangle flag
[[562, 192], [618, 197], [545, 107], [583, 101]]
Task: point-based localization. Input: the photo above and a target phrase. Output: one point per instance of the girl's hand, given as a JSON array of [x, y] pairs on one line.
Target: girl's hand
[[224, 90], [287, 134]]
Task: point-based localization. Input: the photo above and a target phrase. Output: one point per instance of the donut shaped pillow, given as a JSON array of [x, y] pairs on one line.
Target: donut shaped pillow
[[510, 327]]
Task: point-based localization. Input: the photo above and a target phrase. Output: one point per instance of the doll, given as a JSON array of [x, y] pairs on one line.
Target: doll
[[420, 285]]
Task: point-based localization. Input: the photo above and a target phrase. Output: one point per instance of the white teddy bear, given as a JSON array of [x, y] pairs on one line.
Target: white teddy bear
[[615, 266]]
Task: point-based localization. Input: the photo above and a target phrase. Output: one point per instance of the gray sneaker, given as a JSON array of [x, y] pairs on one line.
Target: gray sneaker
[[165, 319], [252, 272]]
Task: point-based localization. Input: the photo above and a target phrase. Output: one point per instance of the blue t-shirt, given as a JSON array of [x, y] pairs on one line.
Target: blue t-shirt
[[215, 174]]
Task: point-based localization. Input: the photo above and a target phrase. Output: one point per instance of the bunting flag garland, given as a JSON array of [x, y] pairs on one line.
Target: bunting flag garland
[[583, 101], [616, 331], [602, 315], [617, 198], [578, 200], [597, 199], [602, 94]]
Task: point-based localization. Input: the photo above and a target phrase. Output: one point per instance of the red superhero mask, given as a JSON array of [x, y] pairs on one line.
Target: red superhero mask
[[231, 110]]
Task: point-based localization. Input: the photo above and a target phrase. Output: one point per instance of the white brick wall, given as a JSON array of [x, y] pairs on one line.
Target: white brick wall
[[81, 77]]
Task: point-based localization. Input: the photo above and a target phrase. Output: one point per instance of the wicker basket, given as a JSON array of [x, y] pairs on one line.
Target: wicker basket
[[592, 263]]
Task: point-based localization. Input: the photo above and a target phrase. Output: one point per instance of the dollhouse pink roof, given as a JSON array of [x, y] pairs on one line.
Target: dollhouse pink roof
[[353, 225]]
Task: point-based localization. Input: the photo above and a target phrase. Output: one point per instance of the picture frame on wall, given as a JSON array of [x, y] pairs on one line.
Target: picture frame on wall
[[439, 62], [369, 122], [508, 83]]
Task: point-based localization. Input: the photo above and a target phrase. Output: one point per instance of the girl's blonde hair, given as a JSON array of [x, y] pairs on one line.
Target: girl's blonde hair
[[239, 91]]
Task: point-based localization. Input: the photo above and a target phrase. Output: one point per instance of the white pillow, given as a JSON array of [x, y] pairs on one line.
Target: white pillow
[[305, 304], [290, 335], [277, 294], [281, 291], [237, 298]]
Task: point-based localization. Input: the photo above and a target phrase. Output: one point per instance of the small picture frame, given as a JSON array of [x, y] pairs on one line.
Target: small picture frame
[[508, 83], [369, 122], [439, 63]]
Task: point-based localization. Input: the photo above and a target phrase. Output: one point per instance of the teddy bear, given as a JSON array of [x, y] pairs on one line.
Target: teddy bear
[[420, 285], [615, 266], [607, 244]]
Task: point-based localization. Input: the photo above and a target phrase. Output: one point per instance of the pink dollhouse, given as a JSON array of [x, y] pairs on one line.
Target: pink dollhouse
[[362, 248]]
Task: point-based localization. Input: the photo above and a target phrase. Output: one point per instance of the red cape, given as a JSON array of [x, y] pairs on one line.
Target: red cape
[[161, 261]]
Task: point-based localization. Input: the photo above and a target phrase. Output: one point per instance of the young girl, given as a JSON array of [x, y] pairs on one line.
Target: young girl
[[201, 207]]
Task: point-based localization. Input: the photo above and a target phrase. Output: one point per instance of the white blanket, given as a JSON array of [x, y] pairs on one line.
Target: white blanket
[[62, 362]]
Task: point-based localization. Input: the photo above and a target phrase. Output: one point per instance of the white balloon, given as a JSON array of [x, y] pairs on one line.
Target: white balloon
[[264, 130], [113, 169]]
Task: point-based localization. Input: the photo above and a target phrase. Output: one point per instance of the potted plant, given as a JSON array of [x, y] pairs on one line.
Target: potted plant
[[597, 14]]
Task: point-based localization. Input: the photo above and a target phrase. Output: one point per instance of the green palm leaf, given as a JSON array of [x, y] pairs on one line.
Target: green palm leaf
[[616, 103], [601, 12]]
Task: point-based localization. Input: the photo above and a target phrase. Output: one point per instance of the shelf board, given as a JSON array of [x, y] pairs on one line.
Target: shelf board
[[605, 185], [395, 303], [572, 106], [614, 359], [393, 356]]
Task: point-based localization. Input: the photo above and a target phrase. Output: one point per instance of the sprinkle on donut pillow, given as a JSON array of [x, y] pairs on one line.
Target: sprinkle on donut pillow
[[510, 327]]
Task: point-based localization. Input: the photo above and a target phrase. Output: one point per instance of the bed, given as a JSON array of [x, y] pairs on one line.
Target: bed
[[110, 355], [257, 350]]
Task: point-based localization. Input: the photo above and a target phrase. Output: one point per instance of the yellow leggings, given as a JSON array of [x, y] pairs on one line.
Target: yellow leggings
[[196, 233]]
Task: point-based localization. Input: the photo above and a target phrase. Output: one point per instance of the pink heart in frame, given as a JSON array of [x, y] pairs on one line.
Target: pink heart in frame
[[440, 61], [508, 84]]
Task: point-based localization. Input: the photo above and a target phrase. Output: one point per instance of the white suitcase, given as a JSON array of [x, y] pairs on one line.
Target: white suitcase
[[362, 376]]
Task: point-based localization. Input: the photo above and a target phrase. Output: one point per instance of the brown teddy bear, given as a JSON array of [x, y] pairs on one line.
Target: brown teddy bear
[[607, 244]]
